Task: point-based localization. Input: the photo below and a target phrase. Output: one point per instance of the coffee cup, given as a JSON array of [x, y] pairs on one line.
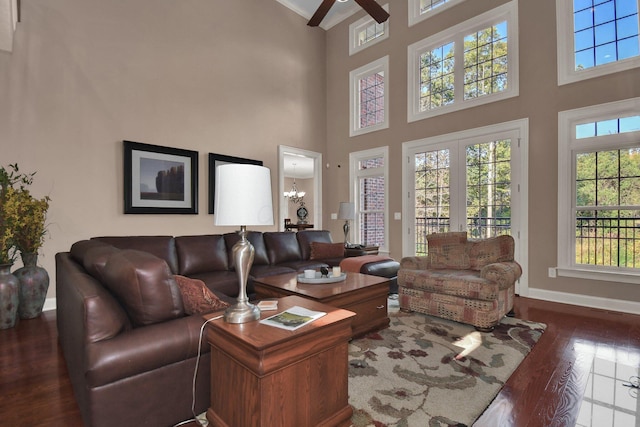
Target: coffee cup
[[309, 274]]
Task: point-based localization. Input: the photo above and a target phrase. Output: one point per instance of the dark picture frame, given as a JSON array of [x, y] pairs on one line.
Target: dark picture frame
[[159, 180], [216, 160]]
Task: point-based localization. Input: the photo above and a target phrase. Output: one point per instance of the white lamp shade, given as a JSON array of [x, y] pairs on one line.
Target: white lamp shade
[[243, 195], [347, 210]]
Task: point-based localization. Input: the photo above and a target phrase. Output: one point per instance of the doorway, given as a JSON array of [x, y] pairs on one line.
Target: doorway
[[304, 168]]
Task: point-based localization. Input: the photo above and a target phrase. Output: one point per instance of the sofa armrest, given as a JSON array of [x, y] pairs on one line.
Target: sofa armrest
[[143, 349], [415, 263], [503, 273]]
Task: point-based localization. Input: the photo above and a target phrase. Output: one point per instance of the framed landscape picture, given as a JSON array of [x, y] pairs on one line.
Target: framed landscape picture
[[159, 180], [216, 160]]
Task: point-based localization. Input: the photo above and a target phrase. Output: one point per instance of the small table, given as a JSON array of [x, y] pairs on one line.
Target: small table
[[363, 294], [265, 376], [292, 226]]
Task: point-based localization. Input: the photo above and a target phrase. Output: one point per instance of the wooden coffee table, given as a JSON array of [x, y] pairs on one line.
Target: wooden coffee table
[[363, 294]]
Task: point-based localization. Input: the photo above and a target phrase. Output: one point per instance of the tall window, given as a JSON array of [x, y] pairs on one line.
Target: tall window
[[366, 32], [369, 174], [369, 97], [472, 63], [420, 10], [596, 37], [599, 194]]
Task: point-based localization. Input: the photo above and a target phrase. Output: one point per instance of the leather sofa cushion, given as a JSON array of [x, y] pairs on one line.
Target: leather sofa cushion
[[282, 247], [255, 237], [448, 250], [197, 298], [306, 238], [221, 282], [198, 254], [93, 256], [320, 250], [144, 285], [161, 246]]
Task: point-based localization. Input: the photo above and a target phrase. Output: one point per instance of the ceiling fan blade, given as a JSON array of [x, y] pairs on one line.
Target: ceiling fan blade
[[322, 11], [374, 9]]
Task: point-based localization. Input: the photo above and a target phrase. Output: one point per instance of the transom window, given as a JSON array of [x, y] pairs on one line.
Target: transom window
[[422, 9], [596, 37], [472, 63], [599, 194], [366, 32], [369, 97]]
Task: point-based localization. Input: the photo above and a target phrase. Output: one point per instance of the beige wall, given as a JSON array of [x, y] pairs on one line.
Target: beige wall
[[239, 78], [540, 100], [229, 77]]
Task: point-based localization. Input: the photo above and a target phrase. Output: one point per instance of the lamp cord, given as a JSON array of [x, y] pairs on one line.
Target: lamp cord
[[195, 375]]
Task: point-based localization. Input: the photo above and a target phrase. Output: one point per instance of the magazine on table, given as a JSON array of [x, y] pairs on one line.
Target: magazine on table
[[293, 318]]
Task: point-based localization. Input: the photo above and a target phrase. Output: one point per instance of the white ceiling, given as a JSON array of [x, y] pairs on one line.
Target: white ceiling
[[338, 12]]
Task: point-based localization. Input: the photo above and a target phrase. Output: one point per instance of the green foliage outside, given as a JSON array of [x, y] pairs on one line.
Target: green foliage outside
[[607, 197], [485, 68]]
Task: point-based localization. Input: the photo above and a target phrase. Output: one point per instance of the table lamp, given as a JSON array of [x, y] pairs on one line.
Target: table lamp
[[242, 197], [347, 211]]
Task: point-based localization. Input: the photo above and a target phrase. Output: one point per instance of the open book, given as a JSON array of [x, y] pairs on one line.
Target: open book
[[293, 318]]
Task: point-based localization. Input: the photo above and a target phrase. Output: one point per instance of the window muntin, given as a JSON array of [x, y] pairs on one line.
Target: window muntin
[[604, 31], [369, 97], [419, 10], [369, 174], [467, 65], [436, 77], [599, 194], [596, 37], [608, 127], [371, 90], [366, 32], [485, 61]]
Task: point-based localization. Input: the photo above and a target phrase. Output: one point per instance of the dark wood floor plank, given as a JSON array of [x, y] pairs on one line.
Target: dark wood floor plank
[[546, 389]]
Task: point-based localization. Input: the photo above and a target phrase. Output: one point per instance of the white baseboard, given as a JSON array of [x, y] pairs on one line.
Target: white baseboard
[[585, 300], [49, 304]]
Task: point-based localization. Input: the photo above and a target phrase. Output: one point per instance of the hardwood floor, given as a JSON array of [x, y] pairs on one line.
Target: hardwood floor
[[546, 390]]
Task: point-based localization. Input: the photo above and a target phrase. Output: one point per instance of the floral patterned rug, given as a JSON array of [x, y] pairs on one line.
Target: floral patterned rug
[[425, 371]]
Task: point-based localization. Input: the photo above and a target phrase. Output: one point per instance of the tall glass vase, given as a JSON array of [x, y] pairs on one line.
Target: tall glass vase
[[8, 297], [34, 284]]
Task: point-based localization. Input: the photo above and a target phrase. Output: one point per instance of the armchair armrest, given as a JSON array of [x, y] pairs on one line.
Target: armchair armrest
[[415, 263], [504, 274]]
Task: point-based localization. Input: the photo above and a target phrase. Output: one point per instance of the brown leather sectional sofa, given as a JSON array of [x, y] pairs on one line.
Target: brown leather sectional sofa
[[129, 347]]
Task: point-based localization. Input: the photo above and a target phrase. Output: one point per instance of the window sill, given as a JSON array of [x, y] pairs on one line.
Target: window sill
[[633, 278]]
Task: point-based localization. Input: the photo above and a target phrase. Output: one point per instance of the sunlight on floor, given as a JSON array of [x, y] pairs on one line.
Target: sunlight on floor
[[607, 401]]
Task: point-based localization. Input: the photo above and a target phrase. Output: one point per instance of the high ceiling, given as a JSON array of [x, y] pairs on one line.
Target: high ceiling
[[339, 11]]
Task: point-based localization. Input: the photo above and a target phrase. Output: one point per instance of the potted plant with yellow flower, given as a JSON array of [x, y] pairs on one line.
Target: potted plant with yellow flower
[[9, 284], [25, 217], [29, 226]]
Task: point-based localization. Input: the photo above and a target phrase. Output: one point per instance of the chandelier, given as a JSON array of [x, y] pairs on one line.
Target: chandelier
[[294, 195]]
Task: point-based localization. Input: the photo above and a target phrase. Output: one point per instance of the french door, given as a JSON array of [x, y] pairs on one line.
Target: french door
[[470, 181]]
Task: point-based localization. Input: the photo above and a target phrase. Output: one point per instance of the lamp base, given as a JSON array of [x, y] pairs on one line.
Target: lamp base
[[242, 312]]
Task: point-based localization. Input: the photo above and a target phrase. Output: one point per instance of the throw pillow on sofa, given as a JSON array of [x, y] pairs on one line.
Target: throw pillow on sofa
[[144, 285], [321, 250], [197, 298]]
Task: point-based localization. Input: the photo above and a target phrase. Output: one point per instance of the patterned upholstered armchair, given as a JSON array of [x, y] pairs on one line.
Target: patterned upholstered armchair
[[468, 281]]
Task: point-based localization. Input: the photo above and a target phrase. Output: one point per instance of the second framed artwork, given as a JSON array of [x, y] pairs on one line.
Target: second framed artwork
[[159, 180], [216, 160]]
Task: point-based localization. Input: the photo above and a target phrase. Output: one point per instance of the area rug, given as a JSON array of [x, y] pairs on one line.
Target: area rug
[[425, 371]]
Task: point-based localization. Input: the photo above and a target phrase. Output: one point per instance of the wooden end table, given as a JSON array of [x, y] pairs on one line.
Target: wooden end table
[[263, 376], [363, 294]]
